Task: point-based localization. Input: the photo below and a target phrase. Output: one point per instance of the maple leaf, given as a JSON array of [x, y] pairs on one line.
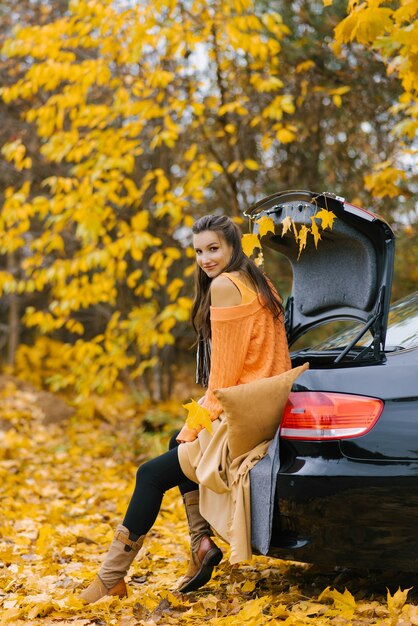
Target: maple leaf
[[302, 236], [266, 225], [286, 223], [315, 231], [396, 602], [249, 243], [345, 602], [327, 218], [197, 416]]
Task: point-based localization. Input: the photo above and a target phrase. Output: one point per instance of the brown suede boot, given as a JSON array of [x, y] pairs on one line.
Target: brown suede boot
[[205, 554], [110, 579]]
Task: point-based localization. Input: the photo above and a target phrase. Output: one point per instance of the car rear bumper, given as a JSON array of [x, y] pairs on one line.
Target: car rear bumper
[[337, 511]]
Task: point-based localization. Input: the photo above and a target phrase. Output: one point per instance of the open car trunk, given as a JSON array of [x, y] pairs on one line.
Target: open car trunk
[[348, 276]]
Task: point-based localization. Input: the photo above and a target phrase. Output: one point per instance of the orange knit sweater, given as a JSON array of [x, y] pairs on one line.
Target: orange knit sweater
[[247, 344]]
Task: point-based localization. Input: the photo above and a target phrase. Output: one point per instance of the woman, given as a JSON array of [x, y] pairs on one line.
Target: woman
[[238, 318]]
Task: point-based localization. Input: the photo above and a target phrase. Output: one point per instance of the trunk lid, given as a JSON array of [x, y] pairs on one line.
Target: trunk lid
[[349, 275]]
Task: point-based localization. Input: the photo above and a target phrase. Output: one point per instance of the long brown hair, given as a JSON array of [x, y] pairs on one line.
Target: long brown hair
[[226, 228]]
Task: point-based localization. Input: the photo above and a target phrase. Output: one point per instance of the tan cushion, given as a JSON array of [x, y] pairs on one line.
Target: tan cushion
[[254, 410]]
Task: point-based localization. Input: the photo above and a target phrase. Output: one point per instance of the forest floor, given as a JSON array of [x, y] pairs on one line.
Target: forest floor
[[66, 478]]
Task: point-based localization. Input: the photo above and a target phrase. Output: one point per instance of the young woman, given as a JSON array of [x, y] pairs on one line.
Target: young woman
[[238, 318]]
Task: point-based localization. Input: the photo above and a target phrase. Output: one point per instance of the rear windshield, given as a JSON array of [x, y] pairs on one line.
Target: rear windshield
[[403, 323], [402, 328]]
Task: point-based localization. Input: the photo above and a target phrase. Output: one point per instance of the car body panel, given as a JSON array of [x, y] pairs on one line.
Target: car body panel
[[354, 502]]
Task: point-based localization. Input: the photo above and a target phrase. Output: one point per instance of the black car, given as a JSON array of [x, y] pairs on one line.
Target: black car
[[347, 488]]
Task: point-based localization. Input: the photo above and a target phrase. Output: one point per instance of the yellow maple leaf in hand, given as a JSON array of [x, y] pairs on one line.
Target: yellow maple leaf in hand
[[197, 416], [249, 242], [327, 218], [266, 225]]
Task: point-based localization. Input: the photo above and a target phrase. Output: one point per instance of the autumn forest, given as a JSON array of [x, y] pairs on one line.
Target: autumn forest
[[122, 122]]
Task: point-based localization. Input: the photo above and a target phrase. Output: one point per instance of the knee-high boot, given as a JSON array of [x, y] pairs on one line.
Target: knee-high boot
[[205, 554], [110, 579]]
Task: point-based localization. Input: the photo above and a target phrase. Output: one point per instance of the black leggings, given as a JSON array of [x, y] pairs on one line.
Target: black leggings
[[153, 479]]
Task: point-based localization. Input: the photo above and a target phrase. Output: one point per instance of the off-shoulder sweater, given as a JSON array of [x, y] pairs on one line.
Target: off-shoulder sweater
[[247, 344]]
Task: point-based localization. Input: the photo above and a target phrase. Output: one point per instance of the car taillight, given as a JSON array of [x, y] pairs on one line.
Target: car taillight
[[325, 415]]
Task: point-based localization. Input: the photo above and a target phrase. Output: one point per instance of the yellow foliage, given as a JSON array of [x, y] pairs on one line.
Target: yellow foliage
[[16, 152], [251, 164], [365, 23], [65, 486], [107, 105], [384, 181], [392, 32]]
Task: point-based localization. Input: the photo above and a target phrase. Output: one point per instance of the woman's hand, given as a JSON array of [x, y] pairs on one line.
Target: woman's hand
[[187, 434]]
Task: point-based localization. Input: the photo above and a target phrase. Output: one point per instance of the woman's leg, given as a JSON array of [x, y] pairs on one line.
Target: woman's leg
[[204, 552], [187, 485], [152, 480]]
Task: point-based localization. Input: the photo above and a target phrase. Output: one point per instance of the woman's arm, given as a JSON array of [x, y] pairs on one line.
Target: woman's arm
[[223, 293]]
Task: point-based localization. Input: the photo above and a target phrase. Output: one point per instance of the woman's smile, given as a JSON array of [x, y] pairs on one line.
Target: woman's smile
[[213, 254]]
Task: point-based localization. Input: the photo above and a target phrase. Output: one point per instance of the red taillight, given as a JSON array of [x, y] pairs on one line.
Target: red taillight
[[326, 415]]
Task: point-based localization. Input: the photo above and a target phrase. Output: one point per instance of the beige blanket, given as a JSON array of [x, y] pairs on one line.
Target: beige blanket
[[224, 485]]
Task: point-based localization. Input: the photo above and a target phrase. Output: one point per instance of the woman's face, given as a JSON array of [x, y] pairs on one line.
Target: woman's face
[[213, 253]]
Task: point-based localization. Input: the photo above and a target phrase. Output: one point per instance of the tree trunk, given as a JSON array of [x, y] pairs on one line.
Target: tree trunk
[[13, 320]]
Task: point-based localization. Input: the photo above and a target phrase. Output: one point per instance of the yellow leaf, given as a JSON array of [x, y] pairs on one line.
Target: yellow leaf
[[235, 166], [304, 66], [284, 135], [337, 100], [197, 416], [249, 243], [140, 221], [286, 223], [302, 236], [315, 231], [265, 225], [190, 154], [250, 164], [327, 3], [363, 24], [248, 586], [345, 603], [396, 602], [327, 218]]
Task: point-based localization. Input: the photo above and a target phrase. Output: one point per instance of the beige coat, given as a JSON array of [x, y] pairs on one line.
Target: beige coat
[[224, 485]]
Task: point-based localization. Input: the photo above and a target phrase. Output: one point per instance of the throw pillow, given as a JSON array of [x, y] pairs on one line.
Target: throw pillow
[[254, 410]]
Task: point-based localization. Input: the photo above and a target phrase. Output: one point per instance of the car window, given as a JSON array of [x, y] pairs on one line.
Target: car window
[[403, 323], [402, 328]]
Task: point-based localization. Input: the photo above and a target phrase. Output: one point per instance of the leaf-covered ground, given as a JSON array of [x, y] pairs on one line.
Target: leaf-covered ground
[[65, 485]]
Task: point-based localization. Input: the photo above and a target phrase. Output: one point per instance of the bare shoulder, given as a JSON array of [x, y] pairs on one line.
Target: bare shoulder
[[223, 292]]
